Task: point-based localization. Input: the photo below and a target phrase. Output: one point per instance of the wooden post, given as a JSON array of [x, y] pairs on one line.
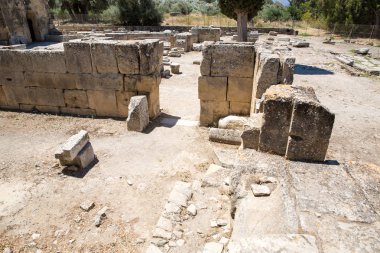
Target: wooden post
[[242, 26]]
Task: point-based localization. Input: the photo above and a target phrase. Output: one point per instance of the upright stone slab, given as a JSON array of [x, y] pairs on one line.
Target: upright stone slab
[[311, 127], [286, 70], [266, 74], [138, 115], [278, 107]]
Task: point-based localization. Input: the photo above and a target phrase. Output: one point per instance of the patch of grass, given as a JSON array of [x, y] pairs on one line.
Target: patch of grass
[[304, 34]]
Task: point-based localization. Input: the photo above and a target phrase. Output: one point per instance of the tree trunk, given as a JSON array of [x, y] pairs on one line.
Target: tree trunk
[[242, 26]]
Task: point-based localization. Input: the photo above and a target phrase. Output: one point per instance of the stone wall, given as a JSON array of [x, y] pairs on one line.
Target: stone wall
[[86, 78], [205, 33], [225, 84]]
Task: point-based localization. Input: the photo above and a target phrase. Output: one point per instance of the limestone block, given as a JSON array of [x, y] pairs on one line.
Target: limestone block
[[103, 102], [175, 68], [213, 247], [47, 108], [147, 83], [151, 53], [123, 99], [42, 96], [78, 111], [239, 108], [100, 82], [78, 57], [239, 89], [266, 75], [76, 98], [127, 55], [67, 152], [51, 80], [233, 60], [251, 133], [15, 61], [212, 88], [138, 116], [301, 44], [103, 56], [12, 78], [130, 83], [276, 120], [47, 61], [16, 95], [227, 136], [311, 128], [212, 111], [286, 70], [27, 108], [153, 98], [206, 61]]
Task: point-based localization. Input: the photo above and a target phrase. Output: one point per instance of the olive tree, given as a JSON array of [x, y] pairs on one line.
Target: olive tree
[[242, 11]]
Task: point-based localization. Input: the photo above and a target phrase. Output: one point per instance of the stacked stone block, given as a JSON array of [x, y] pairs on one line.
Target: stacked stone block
[[185, 41], [205, 33], [86, 78], [225, 84]]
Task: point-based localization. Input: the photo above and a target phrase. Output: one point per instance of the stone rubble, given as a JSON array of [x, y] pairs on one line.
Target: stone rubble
[[76, 152], [87, 205]]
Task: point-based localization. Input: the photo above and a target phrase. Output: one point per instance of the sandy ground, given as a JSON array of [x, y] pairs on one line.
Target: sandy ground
[[37, 198]]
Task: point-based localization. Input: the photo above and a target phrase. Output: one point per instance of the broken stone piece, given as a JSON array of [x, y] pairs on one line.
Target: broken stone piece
[[192, 209], [260, 190], [100, 216], [153, 249], [70, 149], [87, 205], [301, 44], [138, 114]]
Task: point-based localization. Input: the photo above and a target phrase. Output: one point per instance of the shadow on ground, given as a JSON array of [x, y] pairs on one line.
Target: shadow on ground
[[300, 69], [82, 172], [164, 120]]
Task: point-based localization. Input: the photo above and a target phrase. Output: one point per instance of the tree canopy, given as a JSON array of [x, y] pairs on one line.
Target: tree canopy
[[231, 8]]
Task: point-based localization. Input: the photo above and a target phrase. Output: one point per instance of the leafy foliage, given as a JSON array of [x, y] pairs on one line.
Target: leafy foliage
[[231, 8]]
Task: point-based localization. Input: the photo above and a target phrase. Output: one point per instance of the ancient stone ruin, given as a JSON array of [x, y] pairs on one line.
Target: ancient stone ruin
[[22, 21], [87, 77]]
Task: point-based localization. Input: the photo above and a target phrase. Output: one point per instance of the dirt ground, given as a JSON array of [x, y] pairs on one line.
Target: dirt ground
[[39, 205]]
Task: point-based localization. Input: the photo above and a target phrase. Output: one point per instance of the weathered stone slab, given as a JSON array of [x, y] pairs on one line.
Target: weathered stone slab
[[240, 108], [78, 111], [16, 95], [128, 56], [301, 44], [147, 83], [71, 148], [311, 128], [227, 136], [239, 89], [78, 57], [239, 63], [100, 82], [288, 243], [138, 115], [212, 88], [175, 68], [47, 61], [47, 109], [76, 98], [278, 105], [103, 56], [286, 70], [103, 102], [51, 80], [151, 53], [12, 78], [233, 122], [15, 61], [206, 61], [41, 96], [3, 99], [84, 157], [213, 247], [212, 111]]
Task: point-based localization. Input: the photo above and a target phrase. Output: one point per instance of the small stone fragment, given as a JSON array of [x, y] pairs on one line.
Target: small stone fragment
[[180, 242], [221, 222], [87, 205], [192, 209], [224, 240], [213, 224], [260, 190], [100, 215], [35, 236], [172, 244], [7, 250]]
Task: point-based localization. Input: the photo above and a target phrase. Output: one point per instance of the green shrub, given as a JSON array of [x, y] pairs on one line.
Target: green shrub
[[111, 14]]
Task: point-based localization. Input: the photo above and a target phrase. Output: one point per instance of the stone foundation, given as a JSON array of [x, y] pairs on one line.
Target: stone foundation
[[86, 78], [205, 33]]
